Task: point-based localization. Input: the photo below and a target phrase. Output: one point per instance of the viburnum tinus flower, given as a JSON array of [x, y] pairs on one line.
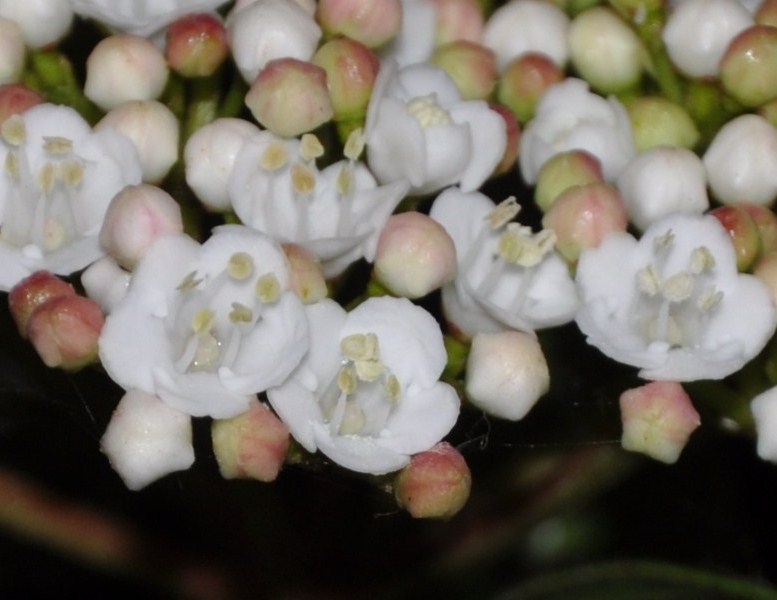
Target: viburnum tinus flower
[[420, 130], [509, 276], [367, 394], [337, 214], [57, 180], [206, 327], [673, 303]]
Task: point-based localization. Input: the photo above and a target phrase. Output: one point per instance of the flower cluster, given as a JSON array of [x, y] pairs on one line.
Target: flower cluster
[[281, 217]]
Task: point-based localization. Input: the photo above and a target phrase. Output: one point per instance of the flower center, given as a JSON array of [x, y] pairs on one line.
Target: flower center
[[364, 392], [428, 112], [206, 330], [674, 308]]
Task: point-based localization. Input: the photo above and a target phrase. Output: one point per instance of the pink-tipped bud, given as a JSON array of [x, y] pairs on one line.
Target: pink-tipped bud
[[524, 81], [435, 485], [471, 66], [748, 69], [658, 418], [252, 445], [351, 69], [767, 13], [136, 217], [583, 215], [13, 51], [196, 45], [306, 279], [64, 331], [766, 270], [15, 98], [563, 171], [290, 97], [513, 130], [766, 222], [31, 292], [656, 121], [458, 20], [506, 373], [124, 67], [743, 231], [415, 255], [371, 22]]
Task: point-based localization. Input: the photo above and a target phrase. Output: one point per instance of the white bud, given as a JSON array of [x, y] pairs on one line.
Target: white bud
[[12, 52], [42, 22], [506, 373], [661, 181]]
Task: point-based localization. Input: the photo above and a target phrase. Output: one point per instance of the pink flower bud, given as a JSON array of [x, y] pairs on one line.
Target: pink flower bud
[[136, 217], [744, 234], [31, 292], [252, 445], [124, 67], [435, 485], [154, 131], [658, 418], [15, 98], [196, 45], [583, 215], [471, 66], [524, 81], [306, 279], [351, 69], [657, 121], [506, 373], [290, 97], [767, 13], [458, 20], [563, 171], [415, 255], [371, 22], [513, 130], [12, 50], [65, 330], [766, 222], [748, 69]]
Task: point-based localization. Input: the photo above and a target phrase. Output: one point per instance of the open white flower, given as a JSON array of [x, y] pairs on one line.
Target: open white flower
[[57, 181], [570, 117], [673, 303], [420, 130], [337, 213], [206, 327], [508, 276], [367, 394]]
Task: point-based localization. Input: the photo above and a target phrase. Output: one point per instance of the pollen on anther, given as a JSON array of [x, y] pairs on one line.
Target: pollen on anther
[[393, 388], [71, 172], [189, 282], [346, 380], [302, 179], [354, 145], [503, 213], [370, 369], [47, 177], [240, 266], [360, 346], [701, 260], [240, 313], [345, 180], [203, 320], [13, 130], [275, 157], [268, 288], [678, 288], [310, 147], [12, 165], [57, 145]]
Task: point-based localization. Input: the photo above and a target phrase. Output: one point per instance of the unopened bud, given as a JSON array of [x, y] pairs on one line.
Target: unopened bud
[[371, 22], [512, 147], [767, 13], [196, 45], [154, 131], [146, 440], [415, 255], [306, 278], [658, 418], [458, 20], [766, 270], [743, 232], [583, 215], [435, 485], [766, 222], [13, 52], [31, 292], [16, 98], [563, 171], [471, 66], [42, 22], [748, 69], [657, 121], [524, 81], [290, 97], [351, 69], [124, 67], [136, 217], [64, 331]]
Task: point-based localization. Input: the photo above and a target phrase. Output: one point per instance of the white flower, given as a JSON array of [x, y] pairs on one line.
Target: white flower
[[660, 181], [764, 409], [57, 180], [741, 161], [367, 394], [698, 32], [337, 213], [570, 117], [264, 30], [673, 303], [43, 22], [141, 18], [508, 276], [205, 327], [420, 130]]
